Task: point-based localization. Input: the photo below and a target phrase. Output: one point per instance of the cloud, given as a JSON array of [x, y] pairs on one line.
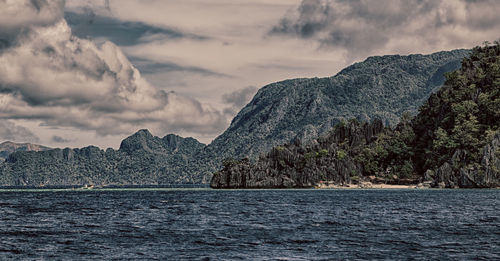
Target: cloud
[[240, 98], [147, 66], [18, 16], [237, 99], [49, 74], [12, 132], [59, 139], [87, 24], [363, 27]]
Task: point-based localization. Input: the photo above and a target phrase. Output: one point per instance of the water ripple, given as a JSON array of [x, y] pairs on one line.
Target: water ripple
[[251, 224]]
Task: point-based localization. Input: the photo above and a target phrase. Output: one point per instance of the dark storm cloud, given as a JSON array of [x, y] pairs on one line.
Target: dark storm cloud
[[240, 97], [279, 66], [123, 33], [147, 66], [363, 26], [237, 99], [59, 139], [12, 132], [313, 16]]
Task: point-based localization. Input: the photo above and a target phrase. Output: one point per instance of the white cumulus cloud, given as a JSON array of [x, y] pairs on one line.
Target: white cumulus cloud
[[48, 74]]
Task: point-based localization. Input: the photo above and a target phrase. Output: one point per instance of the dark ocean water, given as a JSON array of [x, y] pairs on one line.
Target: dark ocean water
[[204, 224]]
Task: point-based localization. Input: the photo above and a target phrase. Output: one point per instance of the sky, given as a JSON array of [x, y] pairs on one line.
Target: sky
[[92, 72]]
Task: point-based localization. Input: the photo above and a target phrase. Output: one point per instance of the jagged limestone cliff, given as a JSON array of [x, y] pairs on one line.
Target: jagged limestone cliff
[[483, 174], [329, 158], [8, 147]]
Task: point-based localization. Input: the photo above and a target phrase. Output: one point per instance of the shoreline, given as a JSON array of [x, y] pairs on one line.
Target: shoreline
[[363, 186], [370, 186]]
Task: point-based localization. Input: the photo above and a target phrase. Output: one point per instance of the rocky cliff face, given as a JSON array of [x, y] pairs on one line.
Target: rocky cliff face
[[454, 174], [329, 158], [142, 159], [9, 147], [333, 159]]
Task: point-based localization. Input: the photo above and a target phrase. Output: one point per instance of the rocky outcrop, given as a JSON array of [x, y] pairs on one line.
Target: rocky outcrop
[[327, 159], [8, 147], [142, 159], [456, 173]]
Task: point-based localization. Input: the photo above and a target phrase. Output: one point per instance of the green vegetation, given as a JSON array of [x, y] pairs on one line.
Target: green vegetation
[[282, 163], [464, 114], [322, 153], [453, 126], [309, 155], [340, 154], [280, 148], [141, 159], [391, 153], [380, 87]]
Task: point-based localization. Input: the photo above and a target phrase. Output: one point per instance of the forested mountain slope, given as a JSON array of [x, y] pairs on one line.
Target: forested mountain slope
[[380, 87]]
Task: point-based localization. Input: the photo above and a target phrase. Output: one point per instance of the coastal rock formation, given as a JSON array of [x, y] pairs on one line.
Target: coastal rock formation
[[327, 159], [8, 147], [485, 174], [142, 159], [457, 129]]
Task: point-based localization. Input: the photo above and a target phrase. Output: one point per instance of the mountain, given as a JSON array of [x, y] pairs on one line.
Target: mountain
[[454, 141], [380, 87], [142, 159], [8, 147]]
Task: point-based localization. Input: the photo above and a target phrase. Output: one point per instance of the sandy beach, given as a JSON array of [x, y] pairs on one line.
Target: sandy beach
[[367, 185]]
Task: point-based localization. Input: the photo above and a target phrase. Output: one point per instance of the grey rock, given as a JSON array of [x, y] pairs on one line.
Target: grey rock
[[429, 175], [8, 147], [292, 166], [445, 175], [461, 173]]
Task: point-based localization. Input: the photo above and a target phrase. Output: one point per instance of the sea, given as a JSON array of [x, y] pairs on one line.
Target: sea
[[207, 224]]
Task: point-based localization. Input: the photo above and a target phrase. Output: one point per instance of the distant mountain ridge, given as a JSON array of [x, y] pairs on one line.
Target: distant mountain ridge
[[8, 147], [379, 87], [142, 159]]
